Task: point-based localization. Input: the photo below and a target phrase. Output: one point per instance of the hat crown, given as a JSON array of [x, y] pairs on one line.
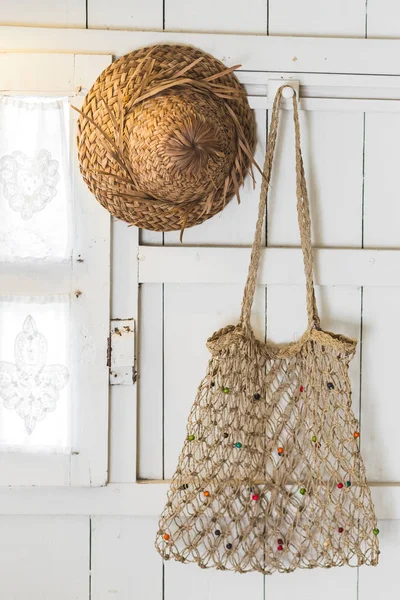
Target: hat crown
[[191, 146]]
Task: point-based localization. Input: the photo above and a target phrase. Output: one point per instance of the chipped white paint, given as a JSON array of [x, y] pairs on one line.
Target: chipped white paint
[[122, 352]]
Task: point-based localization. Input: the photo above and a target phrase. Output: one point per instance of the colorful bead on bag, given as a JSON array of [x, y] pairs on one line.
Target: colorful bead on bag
[[270, 477]]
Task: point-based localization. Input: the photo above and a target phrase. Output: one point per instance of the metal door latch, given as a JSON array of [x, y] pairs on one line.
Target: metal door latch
[[121, 352]]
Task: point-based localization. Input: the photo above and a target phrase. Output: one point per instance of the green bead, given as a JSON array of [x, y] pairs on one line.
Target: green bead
[[238, 445], [314, 438], [190, 438], [348, 483], [375, 531], [225, 390], [302, 491]]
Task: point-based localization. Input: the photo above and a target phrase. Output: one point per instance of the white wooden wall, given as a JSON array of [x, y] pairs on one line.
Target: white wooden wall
[[352, 166]]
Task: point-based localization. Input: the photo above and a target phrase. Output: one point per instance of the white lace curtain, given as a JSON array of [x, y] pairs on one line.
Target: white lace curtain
[[34, 178], [35, 229]]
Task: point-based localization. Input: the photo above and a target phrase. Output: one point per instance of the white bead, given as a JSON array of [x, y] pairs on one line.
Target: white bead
[[287, 92]]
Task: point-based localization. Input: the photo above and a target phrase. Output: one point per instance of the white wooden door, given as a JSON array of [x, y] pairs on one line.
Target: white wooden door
[[98, 543]]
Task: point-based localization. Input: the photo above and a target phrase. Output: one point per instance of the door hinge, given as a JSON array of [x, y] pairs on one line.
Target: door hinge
[[121, 352]]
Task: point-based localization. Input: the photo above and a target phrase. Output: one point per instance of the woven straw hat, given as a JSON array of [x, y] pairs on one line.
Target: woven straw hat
[[165, 137]]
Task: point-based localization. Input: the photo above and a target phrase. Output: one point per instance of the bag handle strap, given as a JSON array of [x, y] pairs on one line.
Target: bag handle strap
[[303, 215]]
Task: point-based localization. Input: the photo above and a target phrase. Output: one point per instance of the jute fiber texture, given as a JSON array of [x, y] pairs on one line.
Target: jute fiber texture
[[270, 477], [165, 137]]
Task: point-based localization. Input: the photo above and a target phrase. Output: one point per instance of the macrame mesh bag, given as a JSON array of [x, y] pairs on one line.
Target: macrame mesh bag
[[270, 477]]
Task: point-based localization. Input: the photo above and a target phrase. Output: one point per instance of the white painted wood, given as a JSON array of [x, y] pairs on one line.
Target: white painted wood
[[315, 18], [122, 439], [125, 15], [134, 499], [90, 316], [323, 85], [349, 105], [332, 145], [151, 385], [278, 266], [223, 16], [40, 72], [150, 430], [51, 74], [319, 583], [254, 53], [87, 68], [383, 19], [188, 581], [383, 579], [125, 564], [380, 443], [235, 225], [192, 314], [44, 557], [381, 206], [124, 305], [121, 351], [52, 13]]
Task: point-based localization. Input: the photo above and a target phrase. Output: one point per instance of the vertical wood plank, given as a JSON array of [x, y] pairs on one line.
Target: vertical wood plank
[[382, 194], [235, 225], [379, 439], [122, 461], [189, 581], [328, 584], [151, 372], [383, 19], [124, 305], [52, 13], [332, 144], [380, 442], [192, 314], [125, 15], [150, 413], [44, 557], [125, 564], [383, 579], [314, 18], [224, 16]]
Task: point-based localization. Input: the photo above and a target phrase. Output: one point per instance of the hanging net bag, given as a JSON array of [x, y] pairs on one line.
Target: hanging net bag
[[270, 477]]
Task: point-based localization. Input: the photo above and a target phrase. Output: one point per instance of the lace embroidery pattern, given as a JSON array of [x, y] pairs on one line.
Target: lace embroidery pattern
[[29, 183], [29, 386]]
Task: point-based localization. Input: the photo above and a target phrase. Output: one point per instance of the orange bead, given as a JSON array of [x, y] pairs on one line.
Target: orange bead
[[206, 493], [280, 450], [356, 434], [166, 536]]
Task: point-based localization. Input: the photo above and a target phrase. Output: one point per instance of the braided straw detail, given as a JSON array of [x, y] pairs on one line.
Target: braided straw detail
[[303, 214], [270, 477], [166, 137]]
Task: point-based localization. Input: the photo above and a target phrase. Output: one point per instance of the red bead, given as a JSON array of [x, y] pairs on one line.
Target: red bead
[[280, 541], [340, 485], [301, 388], [340, 530], [255, 497], [280, 547]]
